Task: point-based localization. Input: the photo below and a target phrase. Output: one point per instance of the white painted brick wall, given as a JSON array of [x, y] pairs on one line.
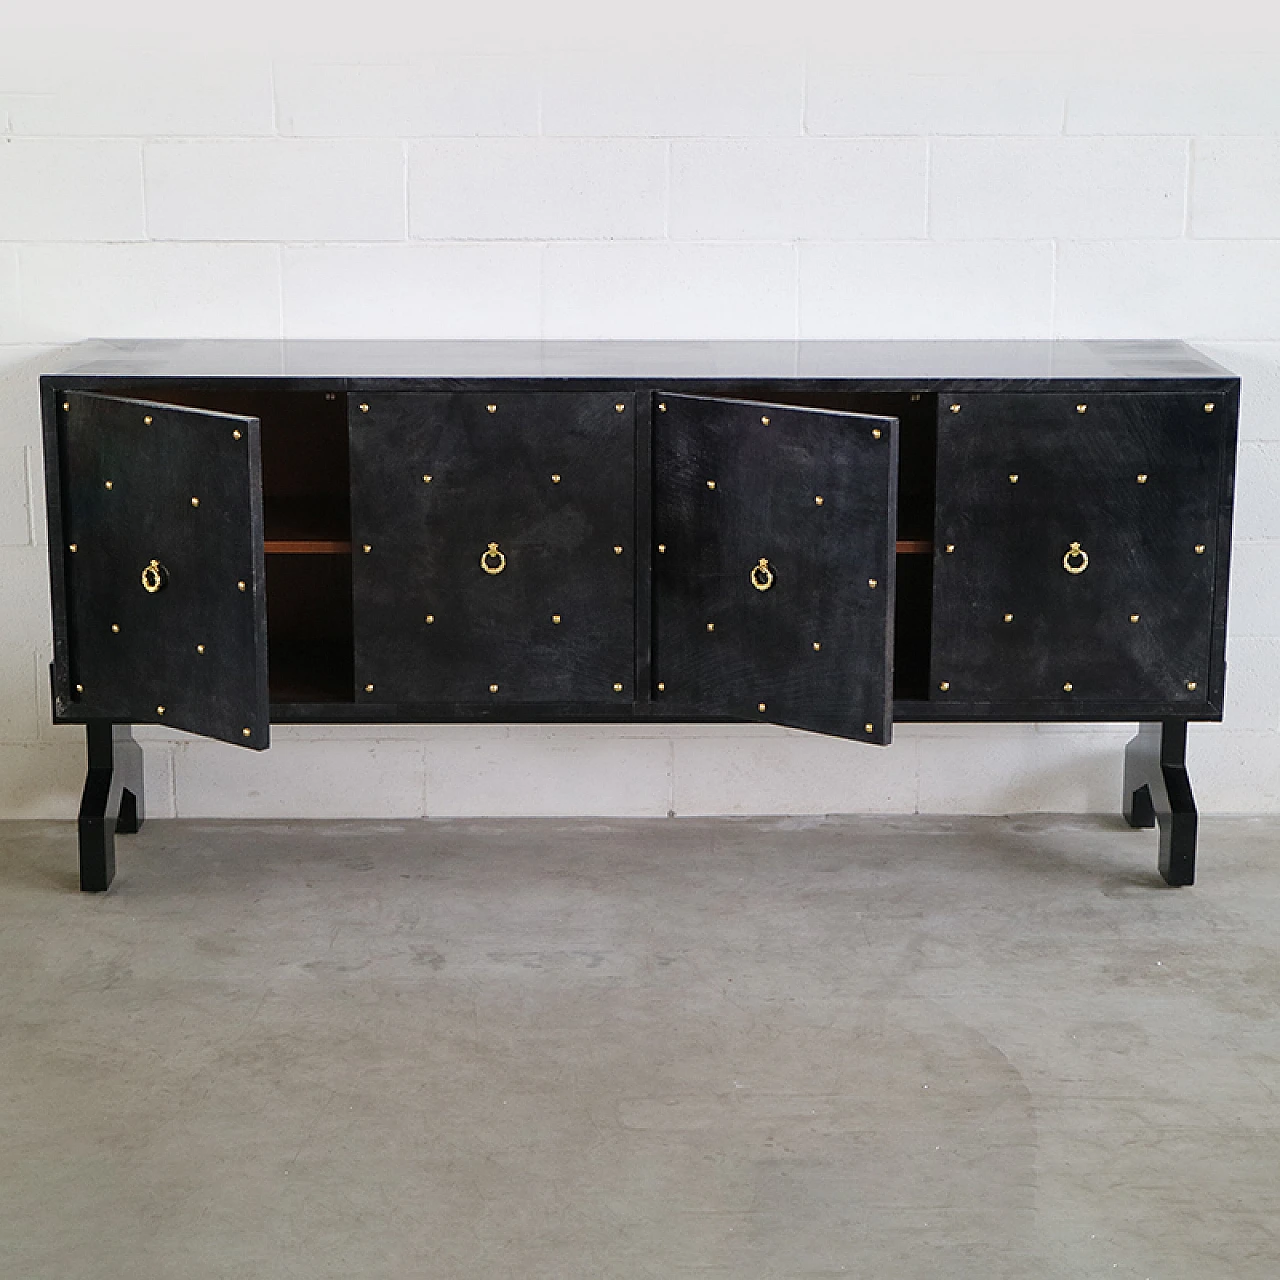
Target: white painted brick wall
[[1070, 188], [463, 96], [276, 190], [747, 190], [1234, 195], [665, 289], [60, 190], [647, 190], [537, 189], [482, 289], [207, 289], [921, 289]]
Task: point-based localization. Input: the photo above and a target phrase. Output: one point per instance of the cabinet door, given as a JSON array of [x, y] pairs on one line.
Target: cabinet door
[[161, 565], [1075, 549], [774, 533], [494, 537]]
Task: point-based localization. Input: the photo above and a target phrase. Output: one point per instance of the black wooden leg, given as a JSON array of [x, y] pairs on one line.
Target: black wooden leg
[[112, 801], [1157, 789]]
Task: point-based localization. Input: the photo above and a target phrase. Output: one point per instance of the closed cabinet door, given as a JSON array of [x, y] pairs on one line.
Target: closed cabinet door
[[1077, 559], [159, 596], [773, 564], [494, 547]]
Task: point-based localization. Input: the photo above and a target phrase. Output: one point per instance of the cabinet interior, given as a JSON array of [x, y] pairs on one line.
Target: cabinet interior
[[307, 524]]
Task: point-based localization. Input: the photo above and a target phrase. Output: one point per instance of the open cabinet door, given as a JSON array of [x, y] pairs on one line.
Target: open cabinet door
[[774, 550], [162, 568]]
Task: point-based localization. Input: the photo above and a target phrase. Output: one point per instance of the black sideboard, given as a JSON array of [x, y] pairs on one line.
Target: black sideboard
[[826, 535]]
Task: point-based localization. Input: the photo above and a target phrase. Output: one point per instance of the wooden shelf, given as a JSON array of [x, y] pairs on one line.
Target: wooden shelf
[[915, 547], [306, 547]]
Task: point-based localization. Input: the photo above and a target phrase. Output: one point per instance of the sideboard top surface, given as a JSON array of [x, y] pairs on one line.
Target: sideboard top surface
[[969, 364]]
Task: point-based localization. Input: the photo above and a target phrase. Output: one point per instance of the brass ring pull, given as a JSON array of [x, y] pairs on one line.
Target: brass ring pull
[[154, 576], [762, 576], [1077, 553], [493, 561]]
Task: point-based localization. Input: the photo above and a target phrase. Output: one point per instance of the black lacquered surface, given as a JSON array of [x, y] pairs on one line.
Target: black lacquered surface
[[812, 495], [130, 472], [548, 482], [1078, 463], [918, 363]]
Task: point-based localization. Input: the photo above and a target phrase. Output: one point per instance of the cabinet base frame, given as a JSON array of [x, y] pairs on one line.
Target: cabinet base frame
[[112, 801], [1157, 789]]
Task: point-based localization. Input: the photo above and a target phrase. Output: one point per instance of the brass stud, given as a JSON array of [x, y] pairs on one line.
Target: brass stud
[[364, 408], [711, 484], [662, 688], [875, 433], [147, 420], [555, 478], [760, 706], [1191, 685], [195, 502], [555, 619], [1133, 617], [711, 626], [662, 408], [493, 688], [66, 406], [199, 648], [1199, 548], [1066, 688], [817, 645], [869, 727], [493, 408], [368, 688], [73, 547], [1082, 408], [872, 583], [235, 434], [817, 501], [944, 685], [240, 585], [617, 551], [115, 628], [955, 408], [79, 687], [367, 548], [431, 617], [617, 688], [662, 548], [246, 733], [426, 478], [618, 408], [1008, 617], [1013, 478], [951, 546], [159, 711], [1209, 407], [1142, 477], [764, 422], [109, 485]]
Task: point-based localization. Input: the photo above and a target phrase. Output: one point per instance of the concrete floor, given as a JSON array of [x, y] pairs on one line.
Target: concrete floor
[[722, 1050]]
